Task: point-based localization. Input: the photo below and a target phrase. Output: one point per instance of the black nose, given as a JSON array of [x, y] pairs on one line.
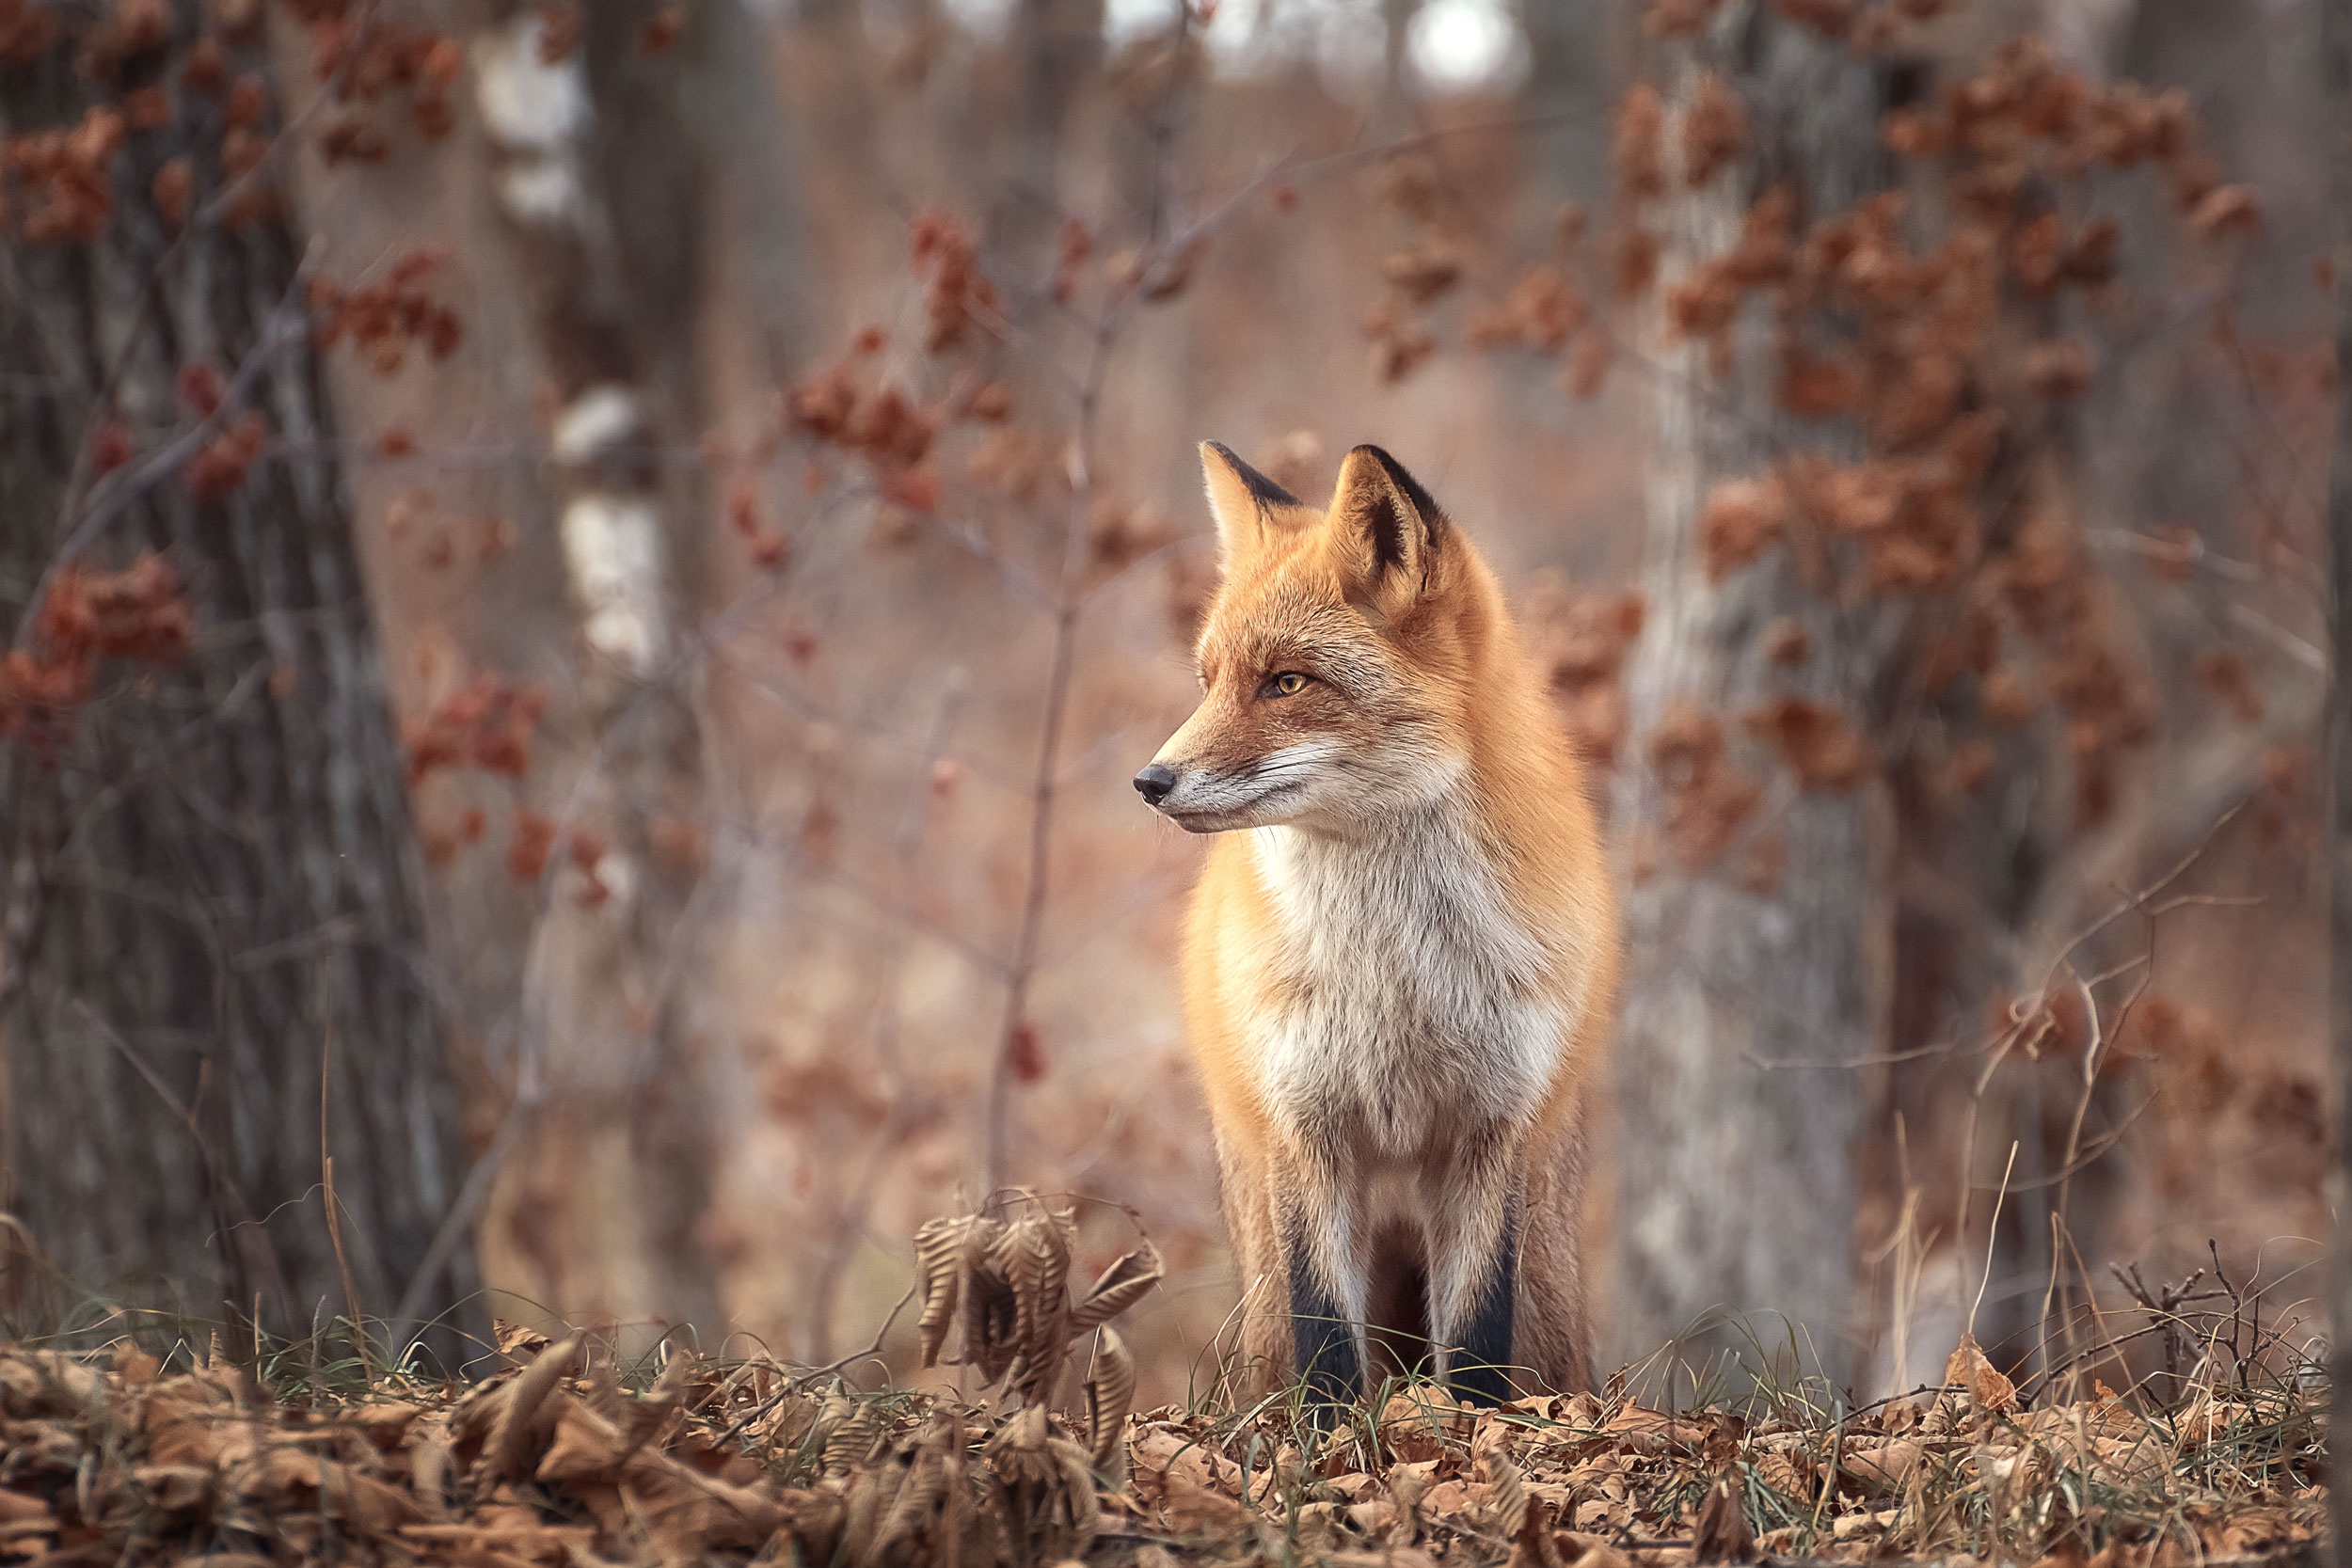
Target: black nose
[[1155, 783]]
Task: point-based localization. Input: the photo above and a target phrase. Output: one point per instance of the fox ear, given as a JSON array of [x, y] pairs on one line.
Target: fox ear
[[1388, 526], [1246, 504]]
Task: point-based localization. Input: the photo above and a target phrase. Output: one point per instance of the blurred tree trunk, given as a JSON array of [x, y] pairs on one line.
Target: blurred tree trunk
[[210, 975], [1057, 47], [1736, 1173], [603, 177], [1574, 62], [1394, 115], [2336, 68]]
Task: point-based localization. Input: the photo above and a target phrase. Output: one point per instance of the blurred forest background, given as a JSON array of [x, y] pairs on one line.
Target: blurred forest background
[[583, 583]]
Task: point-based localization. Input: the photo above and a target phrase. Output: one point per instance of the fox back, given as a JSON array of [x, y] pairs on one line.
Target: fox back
[[1400, 955]]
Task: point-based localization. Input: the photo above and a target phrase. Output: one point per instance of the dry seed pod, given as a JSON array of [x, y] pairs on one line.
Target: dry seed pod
[[1110, 1394], [939, 1253], [1119, 1287]]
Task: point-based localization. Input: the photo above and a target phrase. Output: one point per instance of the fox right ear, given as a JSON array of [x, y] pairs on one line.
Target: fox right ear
[[1246, 505]]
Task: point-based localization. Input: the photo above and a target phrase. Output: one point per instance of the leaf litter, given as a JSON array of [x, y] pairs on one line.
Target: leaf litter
[[113, 1456]]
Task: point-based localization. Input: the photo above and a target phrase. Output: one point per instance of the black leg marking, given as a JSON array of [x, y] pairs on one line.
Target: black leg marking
[[1477, 1373], [1325, 1341]]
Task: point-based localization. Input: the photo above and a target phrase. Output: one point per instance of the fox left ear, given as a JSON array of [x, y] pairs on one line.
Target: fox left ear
[[1391, 527], [1246, 504]]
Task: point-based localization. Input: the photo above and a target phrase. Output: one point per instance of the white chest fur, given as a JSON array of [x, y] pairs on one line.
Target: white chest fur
[[1415, 1004]]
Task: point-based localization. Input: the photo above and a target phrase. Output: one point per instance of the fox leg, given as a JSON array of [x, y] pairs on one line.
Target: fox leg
[[1331, 1286], [1473, 1246]]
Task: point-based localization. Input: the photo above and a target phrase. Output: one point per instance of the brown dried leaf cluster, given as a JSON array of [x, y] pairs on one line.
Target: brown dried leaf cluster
[[1599, 1481], [1708, 798], [111, 1457], [486, 723], [1003, 1284], [385, 318], [1944, 346], [61, 177], [956, 294], [1582, 642], [372, 60], [1542, 311], [140, 613], [550, 1462]]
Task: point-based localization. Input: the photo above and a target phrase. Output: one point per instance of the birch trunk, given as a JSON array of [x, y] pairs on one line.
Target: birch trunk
[[599, 180]]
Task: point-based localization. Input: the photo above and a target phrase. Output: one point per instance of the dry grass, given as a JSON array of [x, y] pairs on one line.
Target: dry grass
[[561, 1454]]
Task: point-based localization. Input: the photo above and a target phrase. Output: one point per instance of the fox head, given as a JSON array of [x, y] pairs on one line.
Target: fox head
[[1338, 661]]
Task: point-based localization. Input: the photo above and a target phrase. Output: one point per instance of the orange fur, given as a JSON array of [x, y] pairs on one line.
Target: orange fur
[[1401, 958]]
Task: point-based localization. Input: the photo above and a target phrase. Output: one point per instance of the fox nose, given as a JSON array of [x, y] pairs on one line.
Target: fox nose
[[1155, 783]]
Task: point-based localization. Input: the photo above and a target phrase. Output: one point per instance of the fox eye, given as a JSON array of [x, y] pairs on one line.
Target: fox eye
[[1288, 684]]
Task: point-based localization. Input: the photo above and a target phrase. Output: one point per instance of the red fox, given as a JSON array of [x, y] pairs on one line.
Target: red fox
[[1400, 959]]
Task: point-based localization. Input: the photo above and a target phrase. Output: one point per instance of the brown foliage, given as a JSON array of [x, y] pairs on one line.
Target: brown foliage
[[486, 723], [140, 613], [1714, 130], [1820, 744], [956, 294], [1708, 800], [385, 318], [1640, 156], [64, 176]]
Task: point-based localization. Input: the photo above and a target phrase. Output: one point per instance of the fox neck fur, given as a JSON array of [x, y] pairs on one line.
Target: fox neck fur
[[1410, 1003]]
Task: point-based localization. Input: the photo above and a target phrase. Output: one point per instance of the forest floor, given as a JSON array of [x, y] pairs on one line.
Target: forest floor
[[561, 1455]]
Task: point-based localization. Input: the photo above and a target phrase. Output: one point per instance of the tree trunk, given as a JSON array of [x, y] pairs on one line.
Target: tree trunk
[[211, 983], [602, 185], [1575, 67], [1059, 44], [1746, 1016], [2336, 65]]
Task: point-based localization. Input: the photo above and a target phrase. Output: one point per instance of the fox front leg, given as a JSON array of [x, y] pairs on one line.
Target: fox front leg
[[1473, 1236], [1325, 1336], [1330, 1287]]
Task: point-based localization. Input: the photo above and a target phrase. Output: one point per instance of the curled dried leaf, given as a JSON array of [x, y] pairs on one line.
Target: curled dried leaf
[[989, 1309], [1110, 1394], [509, 1450], [1119, 1287], [851, 1428], [939, 1253], [1721, 1532], [1032, 1256]]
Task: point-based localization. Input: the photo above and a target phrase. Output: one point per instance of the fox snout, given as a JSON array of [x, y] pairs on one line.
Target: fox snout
[[1188, 794], [1155, 782]]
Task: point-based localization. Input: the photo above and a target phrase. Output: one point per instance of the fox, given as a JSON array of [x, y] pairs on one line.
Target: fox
[[1398, 962]]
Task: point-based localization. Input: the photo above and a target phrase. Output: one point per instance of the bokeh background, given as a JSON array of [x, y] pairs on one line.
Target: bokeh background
[[585, 582]]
